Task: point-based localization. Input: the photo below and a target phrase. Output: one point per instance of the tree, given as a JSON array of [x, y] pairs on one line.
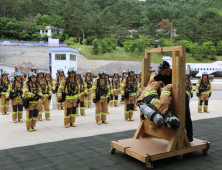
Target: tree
[[95, 49]]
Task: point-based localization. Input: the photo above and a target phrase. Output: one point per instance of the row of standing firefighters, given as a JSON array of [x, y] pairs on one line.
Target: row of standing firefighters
[[75, 92]]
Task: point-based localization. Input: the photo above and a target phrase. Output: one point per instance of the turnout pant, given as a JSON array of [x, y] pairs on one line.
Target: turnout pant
[[203, 99], [135, 106], [70, 111], [114, 97], [31, 114], [4, 105], [88, 100], [101, 109], [129, 107], [59, 105], [81, 105], [17, 108], [44, 102]]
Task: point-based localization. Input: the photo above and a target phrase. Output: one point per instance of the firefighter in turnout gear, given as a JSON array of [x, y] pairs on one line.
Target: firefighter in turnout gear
[[115, 83], [100, 95], [83, 94], [46, 95], [32, 92], [152, 73], [129, 89], [109, 87], [121, 80], [161, 104], [4, 97], [70, 92], [33, 70], [189, 86], [203, 92], [89, 82], [50, 81], [15, 93], [56, 83]]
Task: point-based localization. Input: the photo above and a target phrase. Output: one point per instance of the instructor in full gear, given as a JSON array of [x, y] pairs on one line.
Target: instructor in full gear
[[89, 82], [32, 93], [203, 92], [15, 93], [165, 75], [70, 92]]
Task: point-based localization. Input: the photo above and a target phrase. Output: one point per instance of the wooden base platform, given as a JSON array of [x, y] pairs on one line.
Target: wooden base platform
[[156, 148]]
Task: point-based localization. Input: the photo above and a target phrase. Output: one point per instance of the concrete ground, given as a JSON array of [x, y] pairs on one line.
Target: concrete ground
[[87, 145]]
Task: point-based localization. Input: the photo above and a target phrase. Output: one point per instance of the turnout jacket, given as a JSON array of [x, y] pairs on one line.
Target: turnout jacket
[[102, 83], [17, 85], [64, 87], [204, 85], [4, 85], [83, 86], [128, 84], [29, 91], [45, 84], [57, 81], [189, 87]]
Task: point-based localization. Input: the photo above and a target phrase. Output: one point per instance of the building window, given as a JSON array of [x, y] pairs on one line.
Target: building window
[[207, 68], [42, 31], [60, 56], [46, 31], [72, 57], [204, 68]]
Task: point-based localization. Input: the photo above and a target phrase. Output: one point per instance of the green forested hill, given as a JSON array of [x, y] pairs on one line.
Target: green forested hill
[[198, 23]]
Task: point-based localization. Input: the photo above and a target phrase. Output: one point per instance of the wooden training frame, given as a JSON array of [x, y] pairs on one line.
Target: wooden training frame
[[148, 146]]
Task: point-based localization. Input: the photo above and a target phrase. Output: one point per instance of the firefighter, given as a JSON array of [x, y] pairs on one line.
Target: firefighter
[[89, 82], [152, 73], [159, 105], [100, 95], [33, 70], [4, 97], [115, 83], [109, 87], [203, 92], [129, 90], [121, 80], [32, 92], [50, 81], [138, 79], [46, 95], [189, 86], [56, 84], [83, 94], [15, 93], [71, 95]]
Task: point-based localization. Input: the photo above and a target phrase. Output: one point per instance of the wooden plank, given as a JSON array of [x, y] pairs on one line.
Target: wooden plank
[[186, 140], [163, 49], [172, 144], [145, 71], [139, 130]]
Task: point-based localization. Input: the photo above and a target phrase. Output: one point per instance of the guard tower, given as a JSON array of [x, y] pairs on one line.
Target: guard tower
[[62, 58]]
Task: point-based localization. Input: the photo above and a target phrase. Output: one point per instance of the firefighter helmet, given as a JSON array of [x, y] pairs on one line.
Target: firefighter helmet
[[71, 70], [78, 73], [32, 74], [172, 122], [40, 72], [205, 74], [4, 73], [152, 69]]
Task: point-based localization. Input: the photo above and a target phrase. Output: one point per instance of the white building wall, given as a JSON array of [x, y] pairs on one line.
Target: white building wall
[[9, 69]]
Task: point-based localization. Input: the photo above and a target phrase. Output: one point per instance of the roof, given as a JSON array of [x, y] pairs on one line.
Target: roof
[[64, 50], [8, 64]]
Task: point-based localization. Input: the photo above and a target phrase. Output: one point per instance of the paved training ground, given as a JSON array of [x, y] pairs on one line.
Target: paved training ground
[[87, 145]]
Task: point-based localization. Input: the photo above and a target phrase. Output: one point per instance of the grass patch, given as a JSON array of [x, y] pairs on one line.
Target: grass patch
[[121, 54]]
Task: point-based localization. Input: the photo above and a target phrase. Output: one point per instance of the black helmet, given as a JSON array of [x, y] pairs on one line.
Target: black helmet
[[101, 72], [172, 122], [33, 68], [162, 66], [32, 74], [187, 73], [47, 72], [40, 72], [130, 70], [71, 70], [205, 74], [4, 73], [60, 71], [152, 69], [78, 73], [17, 74], [116, 72]]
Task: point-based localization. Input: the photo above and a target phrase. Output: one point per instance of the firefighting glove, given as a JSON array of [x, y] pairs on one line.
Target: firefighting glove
[[49, 97], [94, 100], [123, 98], [60, 100], [85, 95], [209, 94], [142, 117], [7, 99], [191, 95], [78, 101]]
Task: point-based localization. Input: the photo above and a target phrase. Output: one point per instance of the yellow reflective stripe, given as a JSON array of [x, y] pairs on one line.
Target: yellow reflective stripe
[[153, 101], [154, 92], [166, 93], [94, 87], [198, 85]]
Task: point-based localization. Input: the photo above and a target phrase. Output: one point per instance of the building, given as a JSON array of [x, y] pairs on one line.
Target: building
[[49, 30]]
